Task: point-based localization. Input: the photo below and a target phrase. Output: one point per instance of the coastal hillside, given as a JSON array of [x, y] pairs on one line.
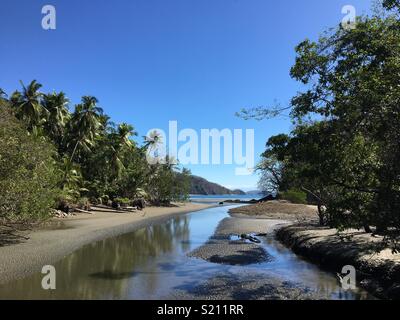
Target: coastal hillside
[[254, 192], [204, 187]]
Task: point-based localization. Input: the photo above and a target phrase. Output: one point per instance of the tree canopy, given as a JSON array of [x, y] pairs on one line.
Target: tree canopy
[[345, 148], [51, 155]]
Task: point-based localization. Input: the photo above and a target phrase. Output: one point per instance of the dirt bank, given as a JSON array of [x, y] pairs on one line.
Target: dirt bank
[[378, 271], [278, 210]]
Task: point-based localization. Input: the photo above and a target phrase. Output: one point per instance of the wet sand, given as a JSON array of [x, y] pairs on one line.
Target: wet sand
[[46, 246], [278, 210], [226, 247], [246, 285]]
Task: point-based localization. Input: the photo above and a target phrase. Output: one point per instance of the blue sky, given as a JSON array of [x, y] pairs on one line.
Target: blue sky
[[152, 61]]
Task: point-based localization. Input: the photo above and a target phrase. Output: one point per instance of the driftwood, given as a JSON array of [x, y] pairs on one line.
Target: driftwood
[[83, 211]]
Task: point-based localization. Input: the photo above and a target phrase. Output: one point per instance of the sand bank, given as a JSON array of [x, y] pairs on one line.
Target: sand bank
[[48, 245]]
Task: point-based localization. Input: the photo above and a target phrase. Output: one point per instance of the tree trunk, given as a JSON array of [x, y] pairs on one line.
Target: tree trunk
[[321, 215], [367, 228], [73, 152]]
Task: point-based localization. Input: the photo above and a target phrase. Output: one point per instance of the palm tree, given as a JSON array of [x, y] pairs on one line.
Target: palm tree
[[152, 141], [58, 115], [125, 131], [28, 105], [71, 178], [3, 94], [151, 146], [85, 125], [120, 141]]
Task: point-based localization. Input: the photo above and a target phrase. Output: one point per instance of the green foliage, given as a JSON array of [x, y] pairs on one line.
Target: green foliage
[[92, 159], [28, 173], [345, 147], [84, 203], [57, 118], [294, 196], [166, 184], [391, 4], [123, 201]]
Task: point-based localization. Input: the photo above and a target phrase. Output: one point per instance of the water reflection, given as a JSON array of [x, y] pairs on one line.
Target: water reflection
[[107, 269], [151, 263]]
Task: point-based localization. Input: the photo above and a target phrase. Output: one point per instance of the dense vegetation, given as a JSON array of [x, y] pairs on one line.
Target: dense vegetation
[[202, 186], [344, 151], [51, 157]]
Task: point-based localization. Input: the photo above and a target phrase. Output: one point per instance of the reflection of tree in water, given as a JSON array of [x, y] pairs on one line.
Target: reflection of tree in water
[[106, 269]]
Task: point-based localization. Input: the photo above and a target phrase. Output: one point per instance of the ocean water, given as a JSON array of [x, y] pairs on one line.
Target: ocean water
[[244, 197]]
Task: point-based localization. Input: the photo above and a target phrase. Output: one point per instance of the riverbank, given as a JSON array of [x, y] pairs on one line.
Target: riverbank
[[278, 210], [256, 271], [378, 268], [221, 248], [63, 236]]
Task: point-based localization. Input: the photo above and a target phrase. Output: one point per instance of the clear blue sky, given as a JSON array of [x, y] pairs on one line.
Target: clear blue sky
[[151, 61]]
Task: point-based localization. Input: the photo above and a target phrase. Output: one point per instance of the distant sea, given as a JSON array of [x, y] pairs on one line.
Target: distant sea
[[244, 197]]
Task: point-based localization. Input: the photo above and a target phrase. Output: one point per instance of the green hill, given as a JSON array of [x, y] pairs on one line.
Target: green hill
[[204, 187]]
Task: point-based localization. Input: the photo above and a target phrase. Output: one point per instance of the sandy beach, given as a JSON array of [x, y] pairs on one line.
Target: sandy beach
[[48, 245]]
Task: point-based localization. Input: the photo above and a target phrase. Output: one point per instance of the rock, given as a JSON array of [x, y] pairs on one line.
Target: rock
[[394, 292], [139, 203], [59, 214], [267, 198], [115, 205], [261, 234], [250, 238]]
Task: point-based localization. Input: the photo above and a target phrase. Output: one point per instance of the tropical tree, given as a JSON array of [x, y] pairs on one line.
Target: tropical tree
[[28, 173], [96, 159], [84, 126], [345, 147], [391, 4], [3, 95], [120, 141], [28, 106], [71, 180], [152, 141], [58, 116]]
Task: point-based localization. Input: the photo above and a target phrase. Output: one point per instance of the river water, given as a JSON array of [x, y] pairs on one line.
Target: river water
[[152, 263]]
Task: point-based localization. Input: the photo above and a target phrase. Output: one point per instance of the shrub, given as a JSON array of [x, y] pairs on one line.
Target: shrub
[[28, 174], [122, 201], [294, 196], [84, 203]]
